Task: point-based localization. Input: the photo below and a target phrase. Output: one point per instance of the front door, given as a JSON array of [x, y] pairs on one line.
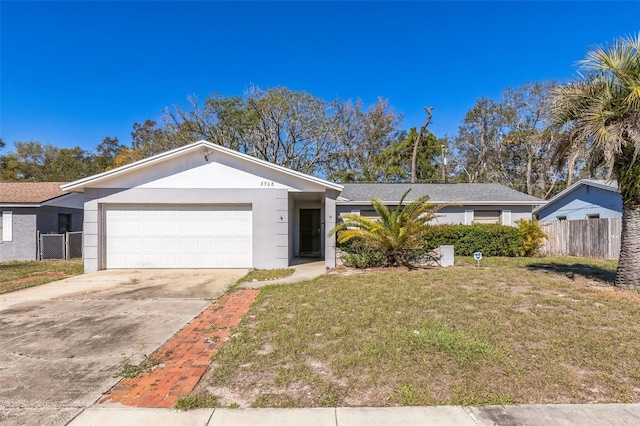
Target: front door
[[310, 233]]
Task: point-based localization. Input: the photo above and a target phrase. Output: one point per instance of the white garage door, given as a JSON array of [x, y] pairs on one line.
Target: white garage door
[[178, 236]]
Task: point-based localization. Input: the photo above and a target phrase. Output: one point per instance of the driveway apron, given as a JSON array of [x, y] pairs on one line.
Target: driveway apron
[[62, 343]]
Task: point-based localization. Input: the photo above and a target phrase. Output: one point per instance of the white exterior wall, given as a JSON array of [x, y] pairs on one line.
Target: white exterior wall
[[330, 217]]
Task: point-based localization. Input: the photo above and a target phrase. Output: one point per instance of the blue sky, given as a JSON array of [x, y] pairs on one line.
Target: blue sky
[[75, 72]]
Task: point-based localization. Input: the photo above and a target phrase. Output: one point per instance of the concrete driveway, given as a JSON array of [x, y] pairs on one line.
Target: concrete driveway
[[62, 342]]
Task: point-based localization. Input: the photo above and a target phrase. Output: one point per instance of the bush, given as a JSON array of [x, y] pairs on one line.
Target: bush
[[357, 254], [532, 237], [491, 240]]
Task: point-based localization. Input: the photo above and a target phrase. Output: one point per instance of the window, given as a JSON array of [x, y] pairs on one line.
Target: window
[[370, 214], [593, 216], [468, 217], [486, 216], [6, 226], [64, 223], [506, 217]]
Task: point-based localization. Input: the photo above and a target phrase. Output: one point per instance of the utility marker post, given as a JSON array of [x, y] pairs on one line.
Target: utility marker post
[[477, 256]]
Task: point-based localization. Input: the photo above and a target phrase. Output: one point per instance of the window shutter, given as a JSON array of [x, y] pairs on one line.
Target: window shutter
[[7, 226], [468, 217], [506, 217]]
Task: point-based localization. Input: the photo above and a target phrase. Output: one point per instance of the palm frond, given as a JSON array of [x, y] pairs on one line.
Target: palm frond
[[398, 230]]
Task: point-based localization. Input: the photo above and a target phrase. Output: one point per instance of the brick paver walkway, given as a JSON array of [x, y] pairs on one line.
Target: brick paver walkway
[[186, 356]]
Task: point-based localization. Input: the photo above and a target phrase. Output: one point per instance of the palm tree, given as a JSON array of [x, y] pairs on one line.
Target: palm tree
[[398, 233], [600, 114]]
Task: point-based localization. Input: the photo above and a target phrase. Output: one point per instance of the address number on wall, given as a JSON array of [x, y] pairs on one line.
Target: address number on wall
[[266, 183]]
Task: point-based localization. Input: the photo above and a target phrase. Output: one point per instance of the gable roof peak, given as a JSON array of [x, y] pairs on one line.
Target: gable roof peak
[[207, 147]]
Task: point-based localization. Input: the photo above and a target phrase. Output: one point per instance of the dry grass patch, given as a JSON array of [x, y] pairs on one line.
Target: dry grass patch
[[265, 275], [18, 275], [513, 331]]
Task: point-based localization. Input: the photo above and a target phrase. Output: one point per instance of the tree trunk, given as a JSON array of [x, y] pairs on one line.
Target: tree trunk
[[628, 273], [529, 172], [414, 156]]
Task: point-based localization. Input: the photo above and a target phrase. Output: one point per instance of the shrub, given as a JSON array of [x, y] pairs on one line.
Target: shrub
[[491, 240], [532, 237], [358, 254]]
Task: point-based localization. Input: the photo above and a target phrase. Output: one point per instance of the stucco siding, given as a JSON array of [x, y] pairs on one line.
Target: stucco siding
[[330, 215], [584, 200], [292, 221], [281, 217], [91, 229], [269, 206], [24, 241]]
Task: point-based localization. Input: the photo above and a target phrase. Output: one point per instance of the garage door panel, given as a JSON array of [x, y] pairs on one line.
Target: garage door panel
[[178, 236], [169, 228], [205, 227]]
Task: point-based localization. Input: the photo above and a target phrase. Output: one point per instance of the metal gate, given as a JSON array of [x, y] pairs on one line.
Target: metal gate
[[59, 246]]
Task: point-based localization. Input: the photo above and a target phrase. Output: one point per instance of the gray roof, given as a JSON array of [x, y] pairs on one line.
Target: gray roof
[[459, 193]]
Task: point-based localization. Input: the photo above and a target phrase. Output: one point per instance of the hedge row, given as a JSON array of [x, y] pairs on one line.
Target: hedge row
[[491, 240]]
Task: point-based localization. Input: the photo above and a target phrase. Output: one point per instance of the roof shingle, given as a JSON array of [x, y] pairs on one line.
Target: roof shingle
[[29, 192], [437, 192]]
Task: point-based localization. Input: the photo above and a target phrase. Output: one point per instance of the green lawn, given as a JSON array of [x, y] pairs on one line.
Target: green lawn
[[18, 275], [541, 330]]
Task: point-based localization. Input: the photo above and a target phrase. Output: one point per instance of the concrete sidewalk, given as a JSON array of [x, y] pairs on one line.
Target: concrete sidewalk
[[303, 271], [558, 414]]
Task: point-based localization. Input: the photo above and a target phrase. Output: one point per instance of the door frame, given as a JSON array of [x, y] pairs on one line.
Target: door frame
[[301, 236]]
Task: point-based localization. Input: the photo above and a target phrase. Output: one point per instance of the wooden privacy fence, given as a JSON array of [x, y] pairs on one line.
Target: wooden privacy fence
[[596, 238]]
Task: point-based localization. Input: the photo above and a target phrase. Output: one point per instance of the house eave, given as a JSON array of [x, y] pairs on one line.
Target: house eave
[[20, 205]]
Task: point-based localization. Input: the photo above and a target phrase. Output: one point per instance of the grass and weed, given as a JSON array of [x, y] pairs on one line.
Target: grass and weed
[[18, 275], [515, 330], [192, 402], [265, 275], [129, 371]]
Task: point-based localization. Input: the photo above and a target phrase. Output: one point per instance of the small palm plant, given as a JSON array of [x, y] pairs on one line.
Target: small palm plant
[[398, 234]]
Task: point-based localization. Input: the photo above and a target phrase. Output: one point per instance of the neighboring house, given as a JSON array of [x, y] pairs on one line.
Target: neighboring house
[[28, 207], [206, 206], [585, 199], [465, 203]]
